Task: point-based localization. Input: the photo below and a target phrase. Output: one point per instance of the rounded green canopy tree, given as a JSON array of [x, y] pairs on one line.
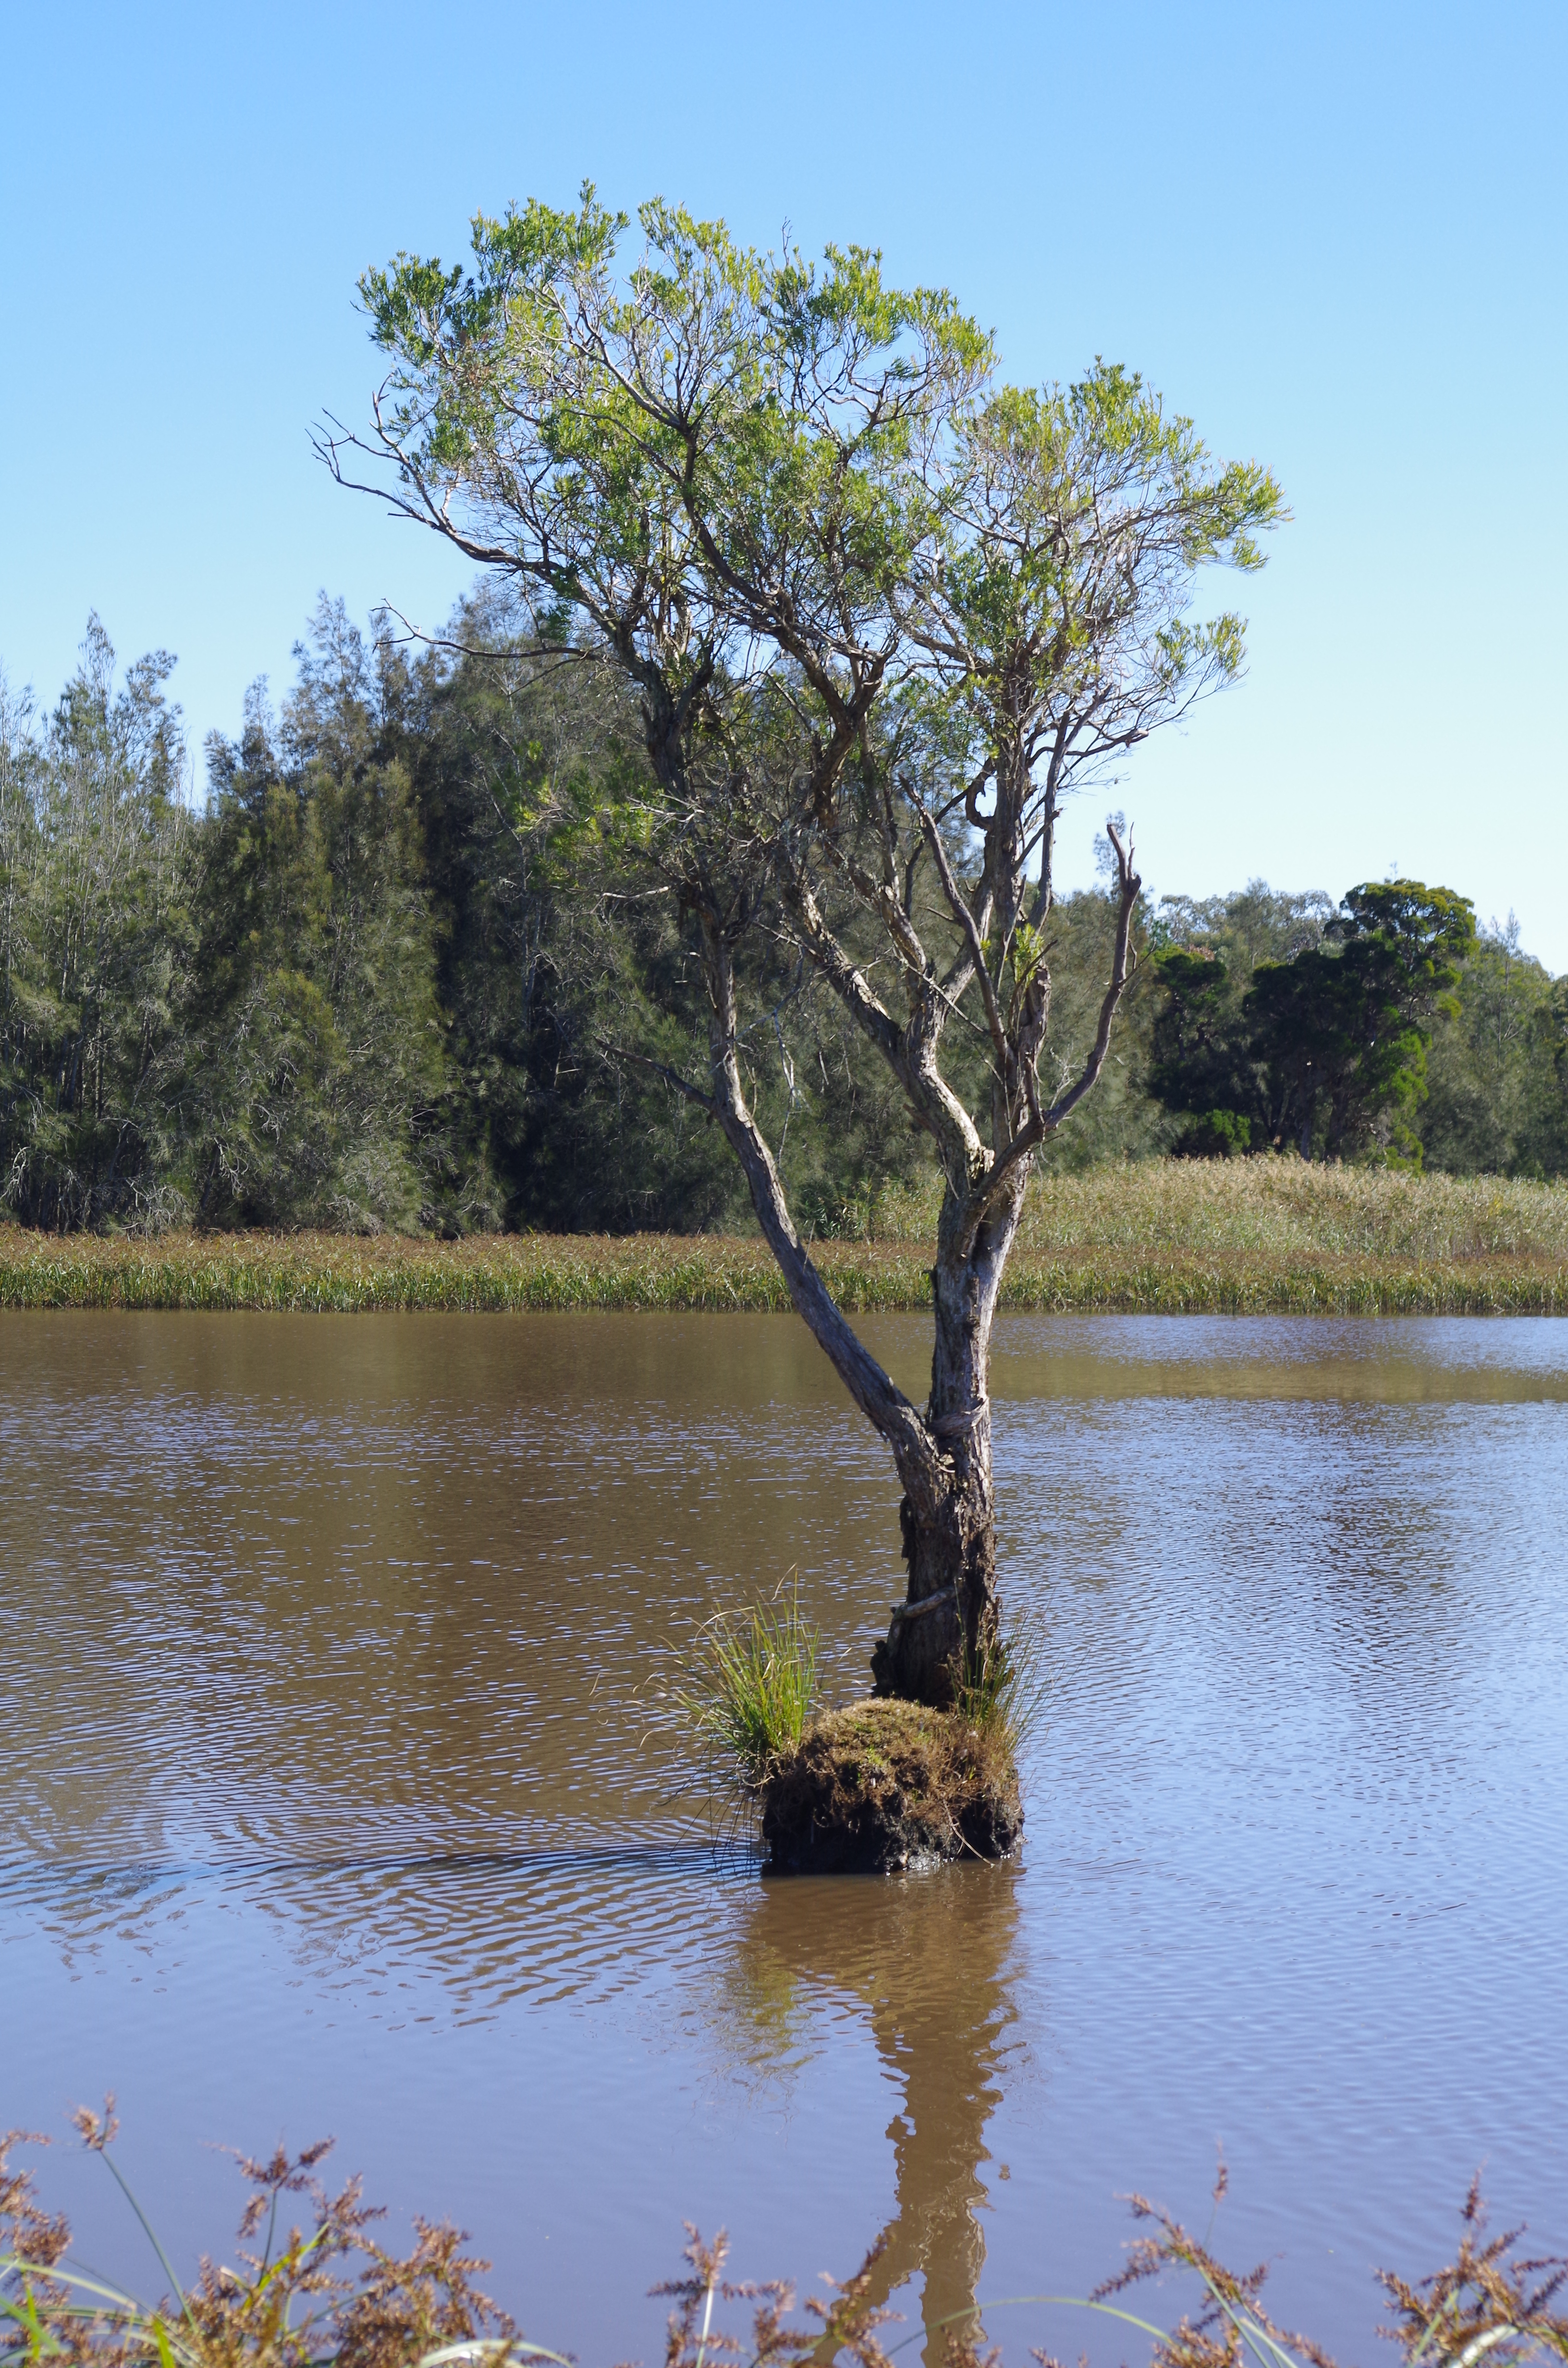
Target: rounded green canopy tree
[[882, 614]]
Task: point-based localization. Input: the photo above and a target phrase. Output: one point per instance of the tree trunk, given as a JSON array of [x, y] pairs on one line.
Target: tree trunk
[[943, 1634], [947, 1625]]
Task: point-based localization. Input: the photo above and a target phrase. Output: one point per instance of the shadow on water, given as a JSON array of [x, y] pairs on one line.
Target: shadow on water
[[927, 1961]]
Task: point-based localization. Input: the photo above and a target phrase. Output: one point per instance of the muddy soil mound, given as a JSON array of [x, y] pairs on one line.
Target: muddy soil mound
[[890, 1784]]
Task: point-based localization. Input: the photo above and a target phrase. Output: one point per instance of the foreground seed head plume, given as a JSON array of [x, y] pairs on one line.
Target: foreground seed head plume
[[317, 2293], [324, 2294]]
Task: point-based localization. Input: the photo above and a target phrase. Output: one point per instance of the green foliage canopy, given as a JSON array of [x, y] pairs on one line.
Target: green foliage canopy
[[1323, 1046], [880, 614]]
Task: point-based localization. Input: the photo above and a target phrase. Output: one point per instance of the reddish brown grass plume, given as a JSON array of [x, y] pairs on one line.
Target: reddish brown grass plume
[[319, 2292]]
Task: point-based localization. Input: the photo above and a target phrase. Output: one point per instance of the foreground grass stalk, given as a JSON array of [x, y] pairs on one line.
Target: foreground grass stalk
[[99, 2131], [332, 2294]]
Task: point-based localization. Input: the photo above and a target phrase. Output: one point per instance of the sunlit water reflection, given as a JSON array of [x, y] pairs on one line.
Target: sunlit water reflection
[[336, 1799]]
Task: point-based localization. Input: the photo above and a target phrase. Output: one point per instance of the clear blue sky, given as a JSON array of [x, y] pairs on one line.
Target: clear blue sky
[[1333, 234]]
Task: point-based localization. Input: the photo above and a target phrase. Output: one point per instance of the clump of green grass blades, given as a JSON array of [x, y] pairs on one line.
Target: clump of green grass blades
[[746, 1684], [330, 2298], [1003, 1689]]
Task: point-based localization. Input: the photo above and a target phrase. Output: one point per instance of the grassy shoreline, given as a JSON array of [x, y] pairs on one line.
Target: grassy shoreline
[[1178, 1237], [315, 1274]]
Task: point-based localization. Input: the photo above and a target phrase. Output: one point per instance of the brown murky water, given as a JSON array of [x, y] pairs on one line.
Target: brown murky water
[[331, 1804]]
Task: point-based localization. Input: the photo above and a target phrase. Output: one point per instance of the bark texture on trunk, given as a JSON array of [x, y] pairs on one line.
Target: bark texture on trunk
[[947, 1624]]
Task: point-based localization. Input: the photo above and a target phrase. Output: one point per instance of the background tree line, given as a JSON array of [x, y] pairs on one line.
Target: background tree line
[[391, 976]]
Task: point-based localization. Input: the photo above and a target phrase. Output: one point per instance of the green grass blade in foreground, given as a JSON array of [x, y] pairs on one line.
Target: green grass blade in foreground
[[100, 2148], [103, 2306], [1019, 2302], [1256, 2340]]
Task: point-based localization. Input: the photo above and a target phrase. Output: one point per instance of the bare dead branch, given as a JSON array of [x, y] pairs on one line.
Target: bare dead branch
[[966, 922]]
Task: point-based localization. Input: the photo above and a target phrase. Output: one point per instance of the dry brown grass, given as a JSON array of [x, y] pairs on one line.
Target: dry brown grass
[[302, 2296], [1488, 2303], [1276, 1207]]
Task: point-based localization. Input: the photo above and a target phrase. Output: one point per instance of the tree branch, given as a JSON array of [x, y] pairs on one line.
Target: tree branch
[[909, 1054], [914, 1451], [1130, 886], [613, 1052], [966, 921], [1039, 1123]]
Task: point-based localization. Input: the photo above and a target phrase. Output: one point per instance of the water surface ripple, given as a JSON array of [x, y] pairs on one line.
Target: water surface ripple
[[338, 1799]]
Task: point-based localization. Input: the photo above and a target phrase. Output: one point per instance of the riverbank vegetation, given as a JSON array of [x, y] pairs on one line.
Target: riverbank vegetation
[[884, 1787], [375, 983], [319, 2292], [871, 1787], [1218, 1235]]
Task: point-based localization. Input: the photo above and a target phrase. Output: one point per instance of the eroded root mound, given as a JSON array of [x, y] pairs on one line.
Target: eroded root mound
[[890, 1784]]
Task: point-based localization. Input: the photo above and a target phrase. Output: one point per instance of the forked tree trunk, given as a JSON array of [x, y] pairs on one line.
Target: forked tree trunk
[[943, 1456], [943, 1632]]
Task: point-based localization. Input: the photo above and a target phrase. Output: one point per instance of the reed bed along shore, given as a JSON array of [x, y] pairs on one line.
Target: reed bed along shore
[[1162, 1238]]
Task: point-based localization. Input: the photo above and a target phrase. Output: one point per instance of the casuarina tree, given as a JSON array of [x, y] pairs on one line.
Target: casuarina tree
[[882, 615]]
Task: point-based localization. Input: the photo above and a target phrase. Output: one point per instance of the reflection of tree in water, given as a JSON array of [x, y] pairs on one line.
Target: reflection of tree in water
[[928, 1957]]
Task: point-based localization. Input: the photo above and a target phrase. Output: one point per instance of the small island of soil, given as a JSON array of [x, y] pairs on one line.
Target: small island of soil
[[890, 1785]]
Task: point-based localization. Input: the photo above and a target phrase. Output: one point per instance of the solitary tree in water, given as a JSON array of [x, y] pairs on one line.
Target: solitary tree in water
[[882, 614]]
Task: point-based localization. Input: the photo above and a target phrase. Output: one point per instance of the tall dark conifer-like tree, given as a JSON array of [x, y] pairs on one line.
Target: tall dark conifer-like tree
[[96, 865], [316, 1086], [1342, 1029]]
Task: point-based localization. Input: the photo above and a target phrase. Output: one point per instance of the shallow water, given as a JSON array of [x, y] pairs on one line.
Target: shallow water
[[334, 1801]]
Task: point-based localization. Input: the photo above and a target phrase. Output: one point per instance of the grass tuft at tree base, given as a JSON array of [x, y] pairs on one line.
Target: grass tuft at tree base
[[744, 1687], [1003, 1689]]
